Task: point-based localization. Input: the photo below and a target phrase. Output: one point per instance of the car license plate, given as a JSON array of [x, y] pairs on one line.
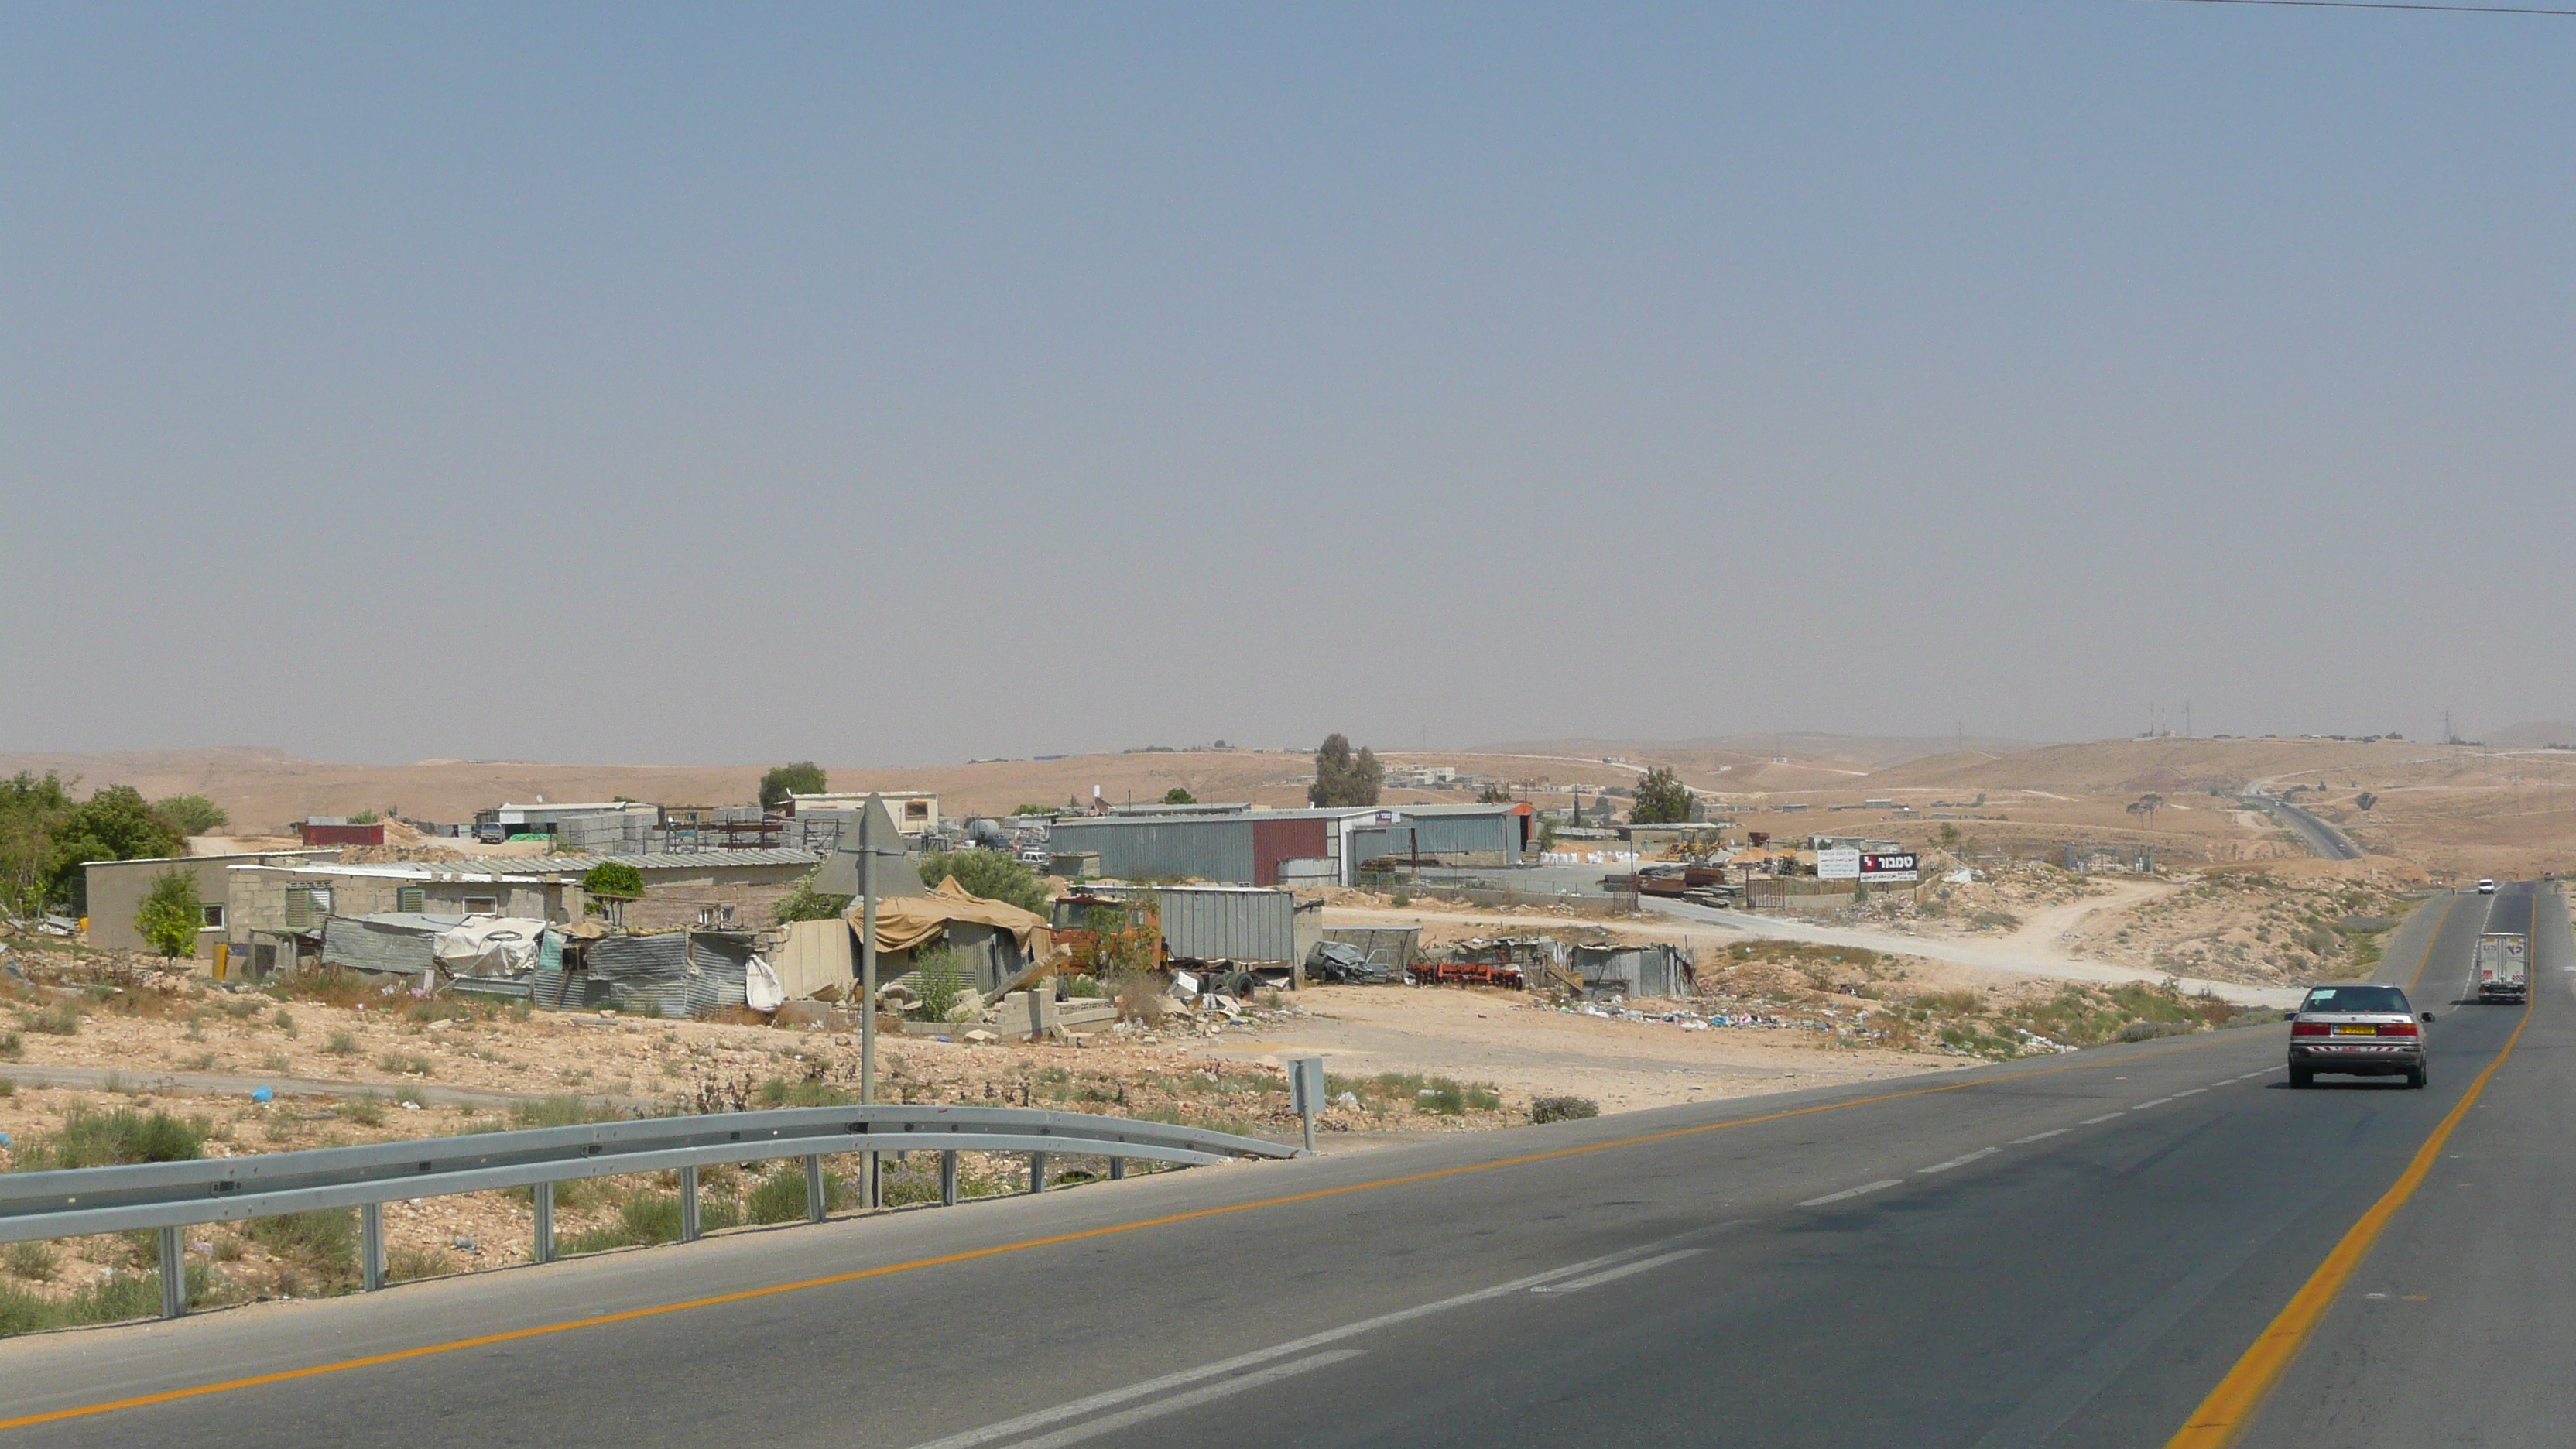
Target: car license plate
[[2356, 1031]]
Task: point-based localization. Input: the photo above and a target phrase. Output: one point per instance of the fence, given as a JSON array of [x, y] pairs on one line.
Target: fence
[[172, 1195]]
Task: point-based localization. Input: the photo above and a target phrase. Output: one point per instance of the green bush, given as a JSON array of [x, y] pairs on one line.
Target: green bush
[[614, 880], [562, 1111], [780, 1092], [935, 981], [404, 1264], [804, 903], [342, 1044], [1563, 1109], [60, 1019], [191, 814], [170, 914], [12, 1046], [780, 1197], [654, 1217], [803, 777], [114, 1300], [91, 1138], [992, 874], [36, 1262], [322, 1242]]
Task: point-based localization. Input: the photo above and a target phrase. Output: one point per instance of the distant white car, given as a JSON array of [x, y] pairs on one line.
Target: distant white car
[[2486, 887]]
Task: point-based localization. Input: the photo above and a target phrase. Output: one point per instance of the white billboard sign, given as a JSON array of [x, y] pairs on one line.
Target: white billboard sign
[[1837, 865]]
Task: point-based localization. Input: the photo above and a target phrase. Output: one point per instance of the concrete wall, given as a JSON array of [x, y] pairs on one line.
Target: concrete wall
[[116, 889], [256, 897], [672, 907]]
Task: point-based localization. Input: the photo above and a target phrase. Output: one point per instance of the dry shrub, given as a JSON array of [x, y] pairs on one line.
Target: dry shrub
[[1139, 995]]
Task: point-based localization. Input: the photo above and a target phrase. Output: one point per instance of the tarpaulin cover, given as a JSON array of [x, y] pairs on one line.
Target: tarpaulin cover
[[760, 988], [904, 922], [489, 946]]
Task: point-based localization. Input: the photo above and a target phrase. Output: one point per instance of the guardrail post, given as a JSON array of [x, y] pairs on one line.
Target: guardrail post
[[543, 1196], [817, 1202], [371, 1245], [174, 1274], [1117, 1169], [1037, 1172], [689, 1204], [1306, 1088], [948, 1179]]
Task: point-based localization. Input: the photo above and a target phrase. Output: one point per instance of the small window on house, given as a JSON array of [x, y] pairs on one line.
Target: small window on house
[[916, 810], [482, 905], [306, 905], [411, 898], [212, 916]]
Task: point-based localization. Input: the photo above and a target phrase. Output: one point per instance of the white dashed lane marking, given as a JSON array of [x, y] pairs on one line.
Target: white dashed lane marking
[[1960, 1161], [1851, 1192], [2042, 1136], [2105, 1117]]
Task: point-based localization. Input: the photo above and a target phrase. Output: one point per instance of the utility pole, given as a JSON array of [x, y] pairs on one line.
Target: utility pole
[[2186, 719], [878, 834], [868, 987]]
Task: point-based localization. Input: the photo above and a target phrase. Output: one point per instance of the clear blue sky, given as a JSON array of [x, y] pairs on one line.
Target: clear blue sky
[[892, 385]]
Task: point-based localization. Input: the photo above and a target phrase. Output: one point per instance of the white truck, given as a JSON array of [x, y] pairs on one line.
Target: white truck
[[2503, 967]]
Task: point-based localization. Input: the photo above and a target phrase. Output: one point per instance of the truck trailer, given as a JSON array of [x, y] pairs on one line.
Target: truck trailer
[[2503, 967]]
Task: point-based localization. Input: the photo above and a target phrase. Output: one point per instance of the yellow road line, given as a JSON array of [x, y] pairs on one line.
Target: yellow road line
[[2430, 937], [630, 1315], [2232, 1405]]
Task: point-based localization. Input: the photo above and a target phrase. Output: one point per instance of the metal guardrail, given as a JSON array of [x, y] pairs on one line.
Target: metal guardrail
[[172, 1195]]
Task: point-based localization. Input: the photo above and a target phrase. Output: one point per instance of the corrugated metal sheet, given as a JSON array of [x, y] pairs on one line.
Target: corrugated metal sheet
[[1452, 830], [686, 860], [1634, 970], [396, 945], [1219, 848], [1213, 923], [679, 973], [554, 991], [660, 957]]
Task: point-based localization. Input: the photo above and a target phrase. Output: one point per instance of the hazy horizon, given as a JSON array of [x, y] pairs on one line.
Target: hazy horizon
[[657, 385]]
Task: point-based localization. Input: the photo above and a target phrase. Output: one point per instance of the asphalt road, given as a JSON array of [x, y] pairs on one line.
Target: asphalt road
[[2074, 1251], [2321, 837]]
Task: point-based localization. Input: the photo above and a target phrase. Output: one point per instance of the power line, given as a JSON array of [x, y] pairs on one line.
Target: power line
[[2385, 5]]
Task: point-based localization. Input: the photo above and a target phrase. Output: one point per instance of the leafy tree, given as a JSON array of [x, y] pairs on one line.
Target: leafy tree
[[114, 824], [365, 817], [613, 880], [805, 903], [2366, 801], [1342, 778], [804, 777], [991, 874], [1178, 796], [1493, 795], [171, 914], [1662, 799], [191, 814], [1033, 810], [1947, 836], [31, 810]]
